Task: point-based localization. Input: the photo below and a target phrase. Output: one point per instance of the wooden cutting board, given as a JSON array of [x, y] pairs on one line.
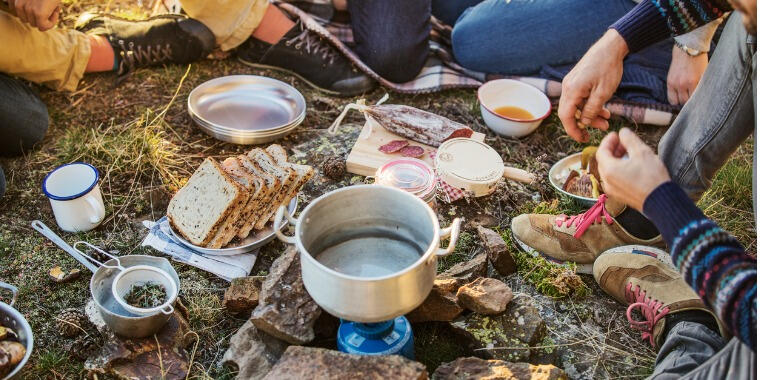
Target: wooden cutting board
[[365, 159]]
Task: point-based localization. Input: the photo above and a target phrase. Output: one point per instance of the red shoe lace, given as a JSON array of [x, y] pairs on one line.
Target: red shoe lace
[[652, 310], [585, 220]]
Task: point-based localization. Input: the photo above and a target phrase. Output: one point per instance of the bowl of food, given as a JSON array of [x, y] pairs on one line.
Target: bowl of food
[[512, 108], [16, 340], [577, 177]]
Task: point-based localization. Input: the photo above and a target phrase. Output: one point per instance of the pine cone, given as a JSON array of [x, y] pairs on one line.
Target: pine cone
[[69, 322], [334, 167]]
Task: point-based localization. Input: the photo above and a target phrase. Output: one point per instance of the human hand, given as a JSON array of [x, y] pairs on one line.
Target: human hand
[[629, 179], [683, 75], [42, 14], [590, 84]]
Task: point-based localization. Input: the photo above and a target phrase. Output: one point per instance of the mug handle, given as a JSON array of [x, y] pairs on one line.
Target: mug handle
[[13, 290], [100, 210], [282, 212], [451, 231]]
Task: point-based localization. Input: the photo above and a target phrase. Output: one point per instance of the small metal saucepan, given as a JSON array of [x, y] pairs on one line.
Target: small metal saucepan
[[121, 321], [11, 318], [369, 252]]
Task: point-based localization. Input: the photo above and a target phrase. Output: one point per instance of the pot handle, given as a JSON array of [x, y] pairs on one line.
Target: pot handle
[[452, 232], [282, 212], [13, 290]]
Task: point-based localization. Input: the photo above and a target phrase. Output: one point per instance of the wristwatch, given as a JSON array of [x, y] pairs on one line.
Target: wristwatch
[[690, 51]]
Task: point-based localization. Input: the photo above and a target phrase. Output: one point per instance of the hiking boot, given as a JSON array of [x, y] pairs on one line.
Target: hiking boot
[[638, 279], [303, 53], [155, 41], [579, 238]]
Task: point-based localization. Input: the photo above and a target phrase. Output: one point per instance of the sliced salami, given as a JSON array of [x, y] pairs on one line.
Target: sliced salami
[[412, 151], [393, 146]]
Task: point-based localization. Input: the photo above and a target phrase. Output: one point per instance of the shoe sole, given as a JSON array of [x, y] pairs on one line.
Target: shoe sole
[[295, 74], [579, 268]]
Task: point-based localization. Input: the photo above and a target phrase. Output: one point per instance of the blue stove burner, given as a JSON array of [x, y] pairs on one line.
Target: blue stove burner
[[382, 338]]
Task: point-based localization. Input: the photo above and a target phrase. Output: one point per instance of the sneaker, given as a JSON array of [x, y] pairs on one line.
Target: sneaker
[[155, 41], [303, 53], [652, 287], [578, 238]]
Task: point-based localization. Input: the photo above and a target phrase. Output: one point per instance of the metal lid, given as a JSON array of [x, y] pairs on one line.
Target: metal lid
[[470, 165], [408, 174]]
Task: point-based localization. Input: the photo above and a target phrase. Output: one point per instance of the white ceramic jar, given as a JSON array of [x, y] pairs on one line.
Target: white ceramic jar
[[75, 196]]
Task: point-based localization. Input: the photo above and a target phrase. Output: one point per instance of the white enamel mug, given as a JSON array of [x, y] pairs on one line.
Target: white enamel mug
[[75, 196]]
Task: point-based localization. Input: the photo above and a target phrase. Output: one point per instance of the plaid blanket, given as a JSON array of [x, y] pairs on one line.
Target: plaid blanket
[[442, 72]]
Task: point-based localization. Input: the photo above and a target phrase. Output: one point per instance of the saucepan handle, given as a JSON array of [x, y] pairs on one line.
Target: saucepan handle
[[13, 289], [451, 232], [282, 213], [519, 175]]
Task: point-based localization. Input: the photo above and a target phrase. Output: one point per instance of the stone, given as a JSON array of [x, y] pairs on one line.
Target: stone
[[485, 220], [440, 305], [242, 295], [507, 336], [253, 352], [468, 271], [472, 368], [286, 310], [320, 363], [485, 296], [127, 358], [498, 251]]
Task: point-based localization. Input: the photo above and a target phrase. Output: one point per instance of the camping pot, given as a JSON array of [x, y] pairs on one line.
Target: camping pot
[[11, 318], [369, 252]]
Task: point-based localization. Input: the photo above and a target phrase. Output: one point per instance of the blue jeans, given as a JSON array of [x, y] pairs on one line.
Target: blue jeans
[[23, 119], [519, 37]]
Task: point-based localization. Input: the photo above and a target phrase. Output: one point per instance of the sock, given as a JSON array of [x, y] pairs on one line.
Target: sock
[[102, 56], [273, 26], [637, 224], [695, 316]]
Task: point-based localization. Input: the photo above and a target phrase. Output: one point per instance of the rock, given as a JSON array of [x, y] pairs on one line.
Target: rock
[[138, 358], [469, 270], [253, 352], [485, 220], [440, 305], [485, 296], [498, 251], [242, 295], [286, 310], [320, 363], [475, 368], [507, 336]]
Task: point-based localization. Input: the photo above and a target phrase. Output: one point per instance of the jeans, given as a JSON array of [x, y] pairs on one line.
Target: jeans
[[23, 119], [718, 117], [519, 37], [693, 351]]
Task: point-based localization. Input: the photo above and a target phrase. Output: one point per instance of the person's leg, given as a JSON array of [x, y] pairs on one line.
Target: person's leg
[[231, 21], [449, 11], [391, 36], [703, 357], [717, 118], [519, 36]]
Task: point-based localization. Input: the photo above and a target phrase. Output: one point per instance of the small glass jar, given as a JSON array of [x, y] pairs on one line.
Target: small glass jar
[[411, 175]]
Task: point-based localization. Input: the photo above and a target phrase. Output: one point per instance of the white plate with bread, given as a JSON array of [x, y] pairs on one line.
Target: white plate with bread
[[227, 208]]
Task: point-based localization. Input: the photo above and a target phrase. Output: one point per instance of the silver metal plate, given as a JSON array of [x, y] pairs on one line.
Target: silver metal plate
[[559, 172], [254, 240]]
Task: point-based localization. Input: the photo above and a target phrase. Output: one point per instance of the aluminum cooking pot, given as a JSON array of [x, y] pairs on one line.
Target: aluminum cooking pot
[[368, 253], [10, 317]]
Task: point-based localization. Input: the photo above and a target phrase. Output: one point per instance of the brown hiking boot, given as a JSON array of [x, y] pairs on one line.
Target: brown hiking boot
[[579, 238], [639, 279]]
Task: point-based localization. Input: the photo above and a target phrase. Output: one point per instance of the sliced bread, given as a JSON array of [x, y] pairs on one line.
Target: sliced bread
[[198, 209], [228, 230], [286, 175], [303, 172], [258, 193], [272, 185]]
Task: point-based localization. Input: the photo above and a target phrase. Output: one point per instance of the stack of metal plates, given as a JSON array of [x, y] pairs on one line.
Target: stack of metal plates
[[246, 109]]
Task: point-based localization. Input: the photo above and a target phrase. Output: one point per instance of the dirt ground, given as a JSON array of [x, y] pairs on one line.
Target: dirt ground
[[145, 146]]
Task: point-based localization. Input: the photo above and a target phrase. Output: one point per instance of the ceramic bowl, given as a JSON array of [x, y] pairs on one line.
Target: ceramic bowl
[[509, 92]]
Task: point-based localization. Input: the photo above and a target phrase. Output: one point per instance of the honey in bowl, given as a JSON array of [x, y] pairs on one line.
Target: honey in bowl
[[513, 112]]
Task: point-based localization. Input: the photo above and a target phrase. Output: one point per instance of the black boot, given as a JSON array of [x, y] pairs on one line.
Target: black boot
[[306, 55]]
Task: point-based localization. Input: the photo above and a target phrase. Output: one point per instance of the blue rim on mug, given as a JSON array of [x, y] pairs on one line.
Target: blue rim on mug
[[75, 196]]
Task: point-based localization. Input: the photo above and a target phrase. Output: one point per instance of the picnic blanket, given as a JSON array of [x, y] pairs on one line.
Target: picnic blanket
[[441, 71]]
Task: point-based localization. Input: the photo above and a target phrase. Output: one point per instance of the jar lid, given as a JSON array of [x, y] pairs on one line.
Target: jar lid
[[469, 165], [409, 174]]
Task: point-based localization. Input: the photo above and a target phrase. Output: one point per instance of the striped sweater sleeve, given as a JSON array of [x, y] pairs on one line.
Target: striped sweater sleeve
[[711, 261], [654, 20]]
